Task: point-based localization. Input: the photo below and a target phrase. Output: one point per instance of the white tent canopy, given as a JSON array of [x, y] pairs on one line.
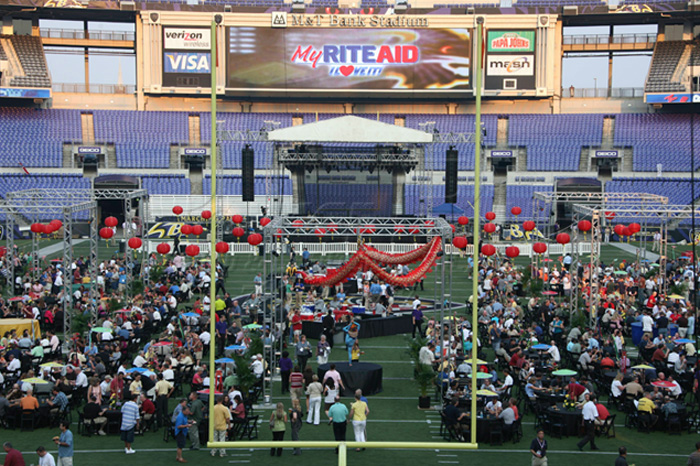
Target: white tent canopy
[[350, 129]]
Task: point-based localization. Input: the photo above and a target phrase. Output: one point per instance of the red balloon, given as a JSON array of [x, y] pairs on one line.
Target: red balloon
[[626, 231], [584, 225], [111, 221], [163, 248], [512, 252], [222, 247], [516, 211], [539, 248], [106, 233], [264, 221], [3, 251], [635, 228], [197, 230], [490, 216], [609, 215], [618, 229], [528, 225], [177, 210], [135, 243], [238, 232], [489, 228], [563, 238], [186, 229], [192, 250], [237, 218], [460, 242], [255, 239], [206, 214], [488, 249], [463, 220]]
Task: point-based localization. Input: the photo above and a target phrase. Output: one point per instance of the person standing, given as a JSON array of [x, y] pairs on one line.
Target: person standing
[[328, 327], [358, 413], [622, 459], [13, 457], [65, 445], [295, 420], [130, 421], [45, 458], [352, 331], [693, 459], [323, 349], [315, 392], [286, 366], [182, 425], [278, 425], [590, 414], [164, 389], [417, 318], [338, 415], [196, 415], [222, 421], [538, 448], [303, 352]]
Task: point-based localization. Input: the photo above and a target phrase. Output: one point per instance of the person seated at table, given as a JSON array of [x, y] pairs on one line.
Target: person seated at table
[[507, 384], [28, 402], [453, 390], [59, 402], [669, 407], [553, 352], [676, 390], [575, 390], [517, 358], [136, 387], [646, 408], [464, 368], [574, 347], [148, 410], [586, 359], [488, 385], [603, 413], [607, 363], [93, 411], [494, 406], [660, 354], [454, 418], [531, 389], [617, 387], [681, 365]]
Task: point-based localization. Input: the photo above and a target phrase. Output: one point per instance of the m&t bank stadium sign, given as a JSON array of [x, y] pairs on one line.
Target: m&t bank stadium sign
[[282, 19]]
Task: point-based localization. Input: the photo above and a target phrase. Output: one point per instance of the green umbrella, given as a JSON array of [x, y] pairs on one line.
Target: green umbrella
[[35, 381], [486, 393], [620, 272], [564, 373], [481, 375], [101, 330], [252, 326]]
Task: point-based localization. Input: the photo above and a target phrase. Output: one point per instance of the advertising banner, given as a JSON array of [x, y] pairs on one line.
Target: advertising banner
[[510, 62], [348, 59], [186, 69], [510, 41], [180, 38]]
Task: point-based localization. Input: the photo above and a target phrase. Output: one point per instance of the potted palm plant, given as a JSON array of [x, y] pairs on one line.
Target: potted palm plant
[[424, 375]]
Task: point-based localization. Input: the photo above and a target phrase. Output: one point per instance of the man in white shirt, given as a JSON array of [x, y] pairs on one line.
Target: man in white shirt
[[139, 360], [553, 352], [14, 365], [647, 323], [426, 355], [81, 380], [676, 389], [205, 338], [104, 386], [257, 366], [507, 382], [45, 458], [590, 414]]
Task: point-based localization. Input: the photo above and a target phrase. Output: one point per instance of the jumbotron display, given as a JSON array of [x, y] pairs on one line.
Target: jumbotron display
[[348, 59]]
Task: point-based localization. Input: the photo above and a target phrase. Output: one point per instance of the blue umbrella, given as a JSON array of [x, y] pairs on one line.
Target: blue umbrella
[[136, 369], [683, 341], [224, 361], [541, 346], [235, 348], [189, 314]]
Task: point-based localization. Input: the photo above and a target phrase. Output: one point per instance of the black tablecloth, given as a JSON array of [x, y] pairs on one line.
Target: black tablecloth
[[370, 327], [571, 419], [363, 375]]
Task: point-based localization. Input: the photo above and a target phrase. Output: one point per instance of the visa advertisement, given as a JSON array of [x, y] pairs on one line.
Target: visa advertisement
[[349, 59], [510, 61], [186, 69]]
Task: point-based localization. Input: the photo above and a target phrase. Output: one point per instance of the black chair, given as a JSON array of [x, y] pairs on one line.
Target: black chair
[[517, 430], [250, 428], [27, 420], [555, 425], [673, 424], [608, 428], [496, 433], [86, 427], [168, 428]]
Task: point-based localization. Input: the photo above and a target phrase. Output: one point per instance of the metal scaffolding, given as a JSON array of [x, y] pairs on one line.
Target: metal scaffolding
[[275, 238]]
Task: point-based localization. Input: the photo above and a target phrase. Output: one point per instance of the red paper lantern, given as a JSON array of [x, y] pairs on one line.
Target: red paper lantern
[[584, 225], [528, 225], [489, 228], [414, 230], [320, 232], [367, 230], [56, 224], [49, 228], [186, 229], [539, 248], [264, 221], [463, 220], [609, 215], [516, 211], [563, 238], [106, 233], [460, 242], [512, 252], [111, 222], [222, 247], [238, 232], [37, 228], [490, 216], [399, 229], [192, 250], [237, 219], [635, 228], [206, 214], [255, 239], [454, 228], [135, 243], [163, 248], [626, 231], [197, 230], [298, 223], [278, 233], [3, 251], [488, 249], [177, 210], [618, 229]]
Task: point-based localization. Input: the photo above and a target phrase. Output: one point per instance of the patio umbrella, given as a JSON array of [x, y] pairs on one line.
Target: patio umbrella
[[189, 314], [235, 348], [52, 364], [162, 343], [541, 346], [620, 272], [14, 299], [252, 326], [642, 366], [486, 393], [481, 375], [140, 370], [35, 381], [224, 361], [663, 384], [675, 296], [206, 392], [683, 341], [549, 293], [564, 373], [478, 361], [101, 330]]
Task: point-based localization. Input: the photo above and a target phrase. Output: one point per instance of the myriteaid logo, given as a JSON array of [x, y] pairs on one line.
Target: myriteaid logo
[[356, 60]]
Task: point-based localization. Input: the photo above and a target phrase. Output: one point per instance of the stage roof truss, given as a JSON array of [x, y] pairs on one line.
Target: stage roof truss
[[364, 226]]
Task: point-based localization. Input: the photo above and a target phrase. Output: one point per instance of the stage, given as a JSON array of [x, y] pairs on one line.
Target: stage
[[363, 375]]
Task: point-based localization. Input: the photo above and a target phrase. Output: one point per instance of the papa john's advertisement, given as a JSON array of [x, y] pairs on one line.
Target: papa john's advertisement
[[348, 59]]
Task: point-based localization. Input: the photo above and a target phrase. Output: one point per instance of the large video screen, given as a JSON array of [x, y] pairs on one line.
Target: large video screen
[[348, 59]]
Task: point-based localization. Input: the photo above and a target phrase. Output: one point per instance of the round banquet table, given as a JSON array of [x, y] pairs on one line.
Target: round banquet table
[[366, 376], [571, 419]]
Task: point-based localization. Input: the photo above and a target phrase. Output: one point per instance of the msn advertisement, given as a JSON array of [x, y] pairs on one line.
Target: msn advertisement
[[349, 59], [510, 60]]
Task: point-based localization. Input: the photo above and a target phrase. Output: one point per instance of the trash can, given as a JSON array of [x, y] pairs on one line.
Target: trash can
[[637, 333]]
